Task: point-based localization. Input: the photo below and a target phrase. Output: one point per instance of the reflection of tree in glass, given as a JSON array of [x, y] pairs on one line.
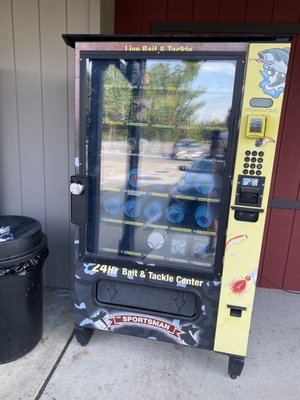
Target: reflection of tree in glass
[[174, 100], [116, 98], [166, 97]]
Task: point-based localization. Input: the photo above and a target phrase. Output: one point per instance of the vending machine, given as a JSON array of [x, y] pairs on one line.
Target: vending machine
[[176, 139]]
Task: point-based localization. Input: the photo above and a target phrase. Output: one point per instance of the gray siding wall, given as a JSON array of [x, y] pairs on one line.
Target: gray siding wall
[[37, 115]]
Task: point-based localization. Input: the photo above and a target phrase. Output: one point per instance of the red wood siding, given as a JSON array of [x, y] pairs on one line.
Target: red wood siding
[[232, 11], [206, 11], [288, 168], [280, 259], [286, 11], [277, 246], [292, 271], [259, 11], [180, 11], [282, 126], [128, 16], [155, 10]]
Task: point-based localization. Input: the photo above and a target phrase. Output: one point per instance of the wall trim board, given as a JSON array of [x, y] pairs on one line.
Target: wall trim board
[[285, 204], [216, 27]]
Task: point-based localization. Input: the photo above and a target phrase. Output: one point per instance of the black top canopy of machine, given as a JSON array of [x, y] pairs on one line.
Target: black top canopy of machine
[[71, 39]]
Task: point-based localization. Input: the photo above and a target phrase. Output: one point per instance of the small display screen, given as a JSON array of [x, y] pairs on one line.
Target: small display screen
[[256, 125], [261, 102], [250, 182]]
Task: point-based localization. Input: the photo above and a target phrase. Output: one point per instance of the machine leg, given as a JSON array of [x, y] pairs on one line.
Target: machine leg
[[235, 366], [83, 335]]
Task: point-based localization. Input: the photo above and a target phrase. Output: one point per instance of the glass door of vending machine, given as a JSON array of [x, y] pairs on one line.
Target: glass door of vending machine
[[159, 134], [158, 127]]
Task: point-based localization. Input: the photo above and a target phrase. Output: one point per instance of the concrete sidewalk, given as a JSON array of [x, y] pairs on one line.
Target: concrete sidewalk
[[114, 366]]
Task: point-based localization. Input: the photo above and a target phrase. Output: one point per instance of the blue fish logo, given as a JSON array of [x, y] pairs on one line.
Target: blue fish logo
[[87, 269], [81, 306], [86, 321], [275, 63]]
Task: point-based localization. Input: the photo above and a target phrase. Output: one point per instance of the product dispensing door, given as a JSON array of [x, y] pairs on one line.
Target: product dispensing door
[[175, 147]]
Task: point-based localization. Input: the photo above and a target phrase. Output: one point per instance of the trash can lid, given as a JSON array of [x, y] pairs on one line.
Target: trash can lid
[[19, 236]]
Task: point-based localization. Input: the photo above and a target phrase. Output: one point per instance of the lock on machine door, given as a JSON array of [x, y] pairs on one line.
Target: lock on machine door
[[78, 189]]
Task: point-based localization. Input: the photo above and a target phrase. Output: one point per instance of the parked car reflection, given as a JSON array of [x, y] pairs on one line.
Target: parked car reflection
[[203, 178], [186, 149]]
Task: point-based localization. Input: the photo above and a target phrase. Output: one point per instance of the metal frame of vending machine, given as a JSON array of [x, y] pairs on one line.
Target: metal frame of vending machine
[[175, 143]]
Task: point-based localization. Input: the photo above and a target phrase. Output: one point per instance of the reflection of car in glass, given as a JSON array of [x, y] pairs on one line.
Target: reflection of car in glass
[[186, 149], [202, 179]]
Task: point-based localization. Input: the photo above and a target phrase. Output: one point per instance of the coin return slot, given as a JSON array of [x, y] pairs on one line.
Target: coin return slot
[[246, 216]]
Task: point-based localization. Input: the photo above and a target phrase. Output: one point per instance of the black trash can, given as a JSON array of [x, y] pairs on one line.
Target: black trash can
[[23, 251]]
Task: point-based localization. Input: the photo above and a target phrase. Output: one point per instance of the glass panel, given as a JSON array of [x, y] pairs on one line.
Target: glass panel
[[157, 142]]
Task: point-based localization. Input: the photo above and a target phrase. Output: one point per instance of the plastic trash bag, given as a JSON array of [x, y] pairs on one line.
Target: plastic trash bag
[[23, 268]]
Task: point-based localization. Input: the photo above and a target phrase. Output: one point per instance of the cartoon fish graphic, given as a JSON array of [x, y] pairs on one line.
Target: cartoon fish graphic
[[87, 269], [81, 306], [233, 241], [98, 320], [263, 141], [240, 286], [253, 275], [275, 64], [189, 334]]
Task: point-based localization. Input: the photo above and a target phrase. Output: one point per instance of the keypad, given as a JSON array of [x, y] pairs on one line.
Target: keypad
[[252, 163]]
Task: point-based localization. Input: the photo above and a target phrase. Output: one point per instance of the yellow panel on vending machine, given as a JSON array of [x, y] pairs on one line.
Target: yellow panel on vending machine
[[262, 102]]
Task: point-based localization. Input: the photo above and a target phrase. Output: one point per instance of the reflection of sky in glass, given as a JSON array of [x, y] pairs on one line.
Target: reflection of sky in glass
[[216, 78]]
